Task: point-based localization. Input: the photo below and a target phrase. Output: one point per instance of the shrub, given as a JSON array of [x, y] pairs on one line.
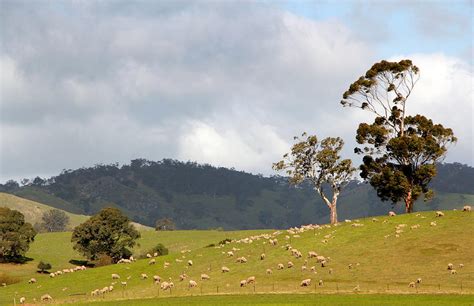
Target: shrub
[[43, 266], [159, 248], [103, 260]]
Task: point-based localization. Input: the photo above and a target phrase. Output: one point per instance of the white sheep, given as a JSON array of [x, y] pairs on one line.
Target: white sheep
[[439, 214], [269, 271], [115, 276], [467, 208], [148, 255], [22, 300], [192, 284], [433, 223], [290, 264], [321, 282], [152, 261], [454, 272], [46, 298], [52, 275], [418, 280], [143, 276], [241, 260], [450, 266], [305, 283], [230, 253], [411, 285], [123, 283], [156, 279], [32, 281], [280, 266], [391, 214], [182, 277], [251, 280], [312, 254], [243, 283], [205, 277], [262, 256], [461, 265], [225, 269], [190, 262]]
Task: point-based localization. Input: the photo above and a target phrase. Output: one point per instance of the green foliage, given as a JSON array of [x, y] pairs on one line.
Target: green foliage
[[15, 235], [55, 220], [107, 233], [160, 249], [165, 224], [44, 266], [319, 163], [400, 151]]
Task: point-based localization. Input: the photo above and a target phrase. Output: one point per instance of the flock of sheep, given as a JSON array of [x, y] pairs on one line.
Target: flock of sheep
[[268, 239]]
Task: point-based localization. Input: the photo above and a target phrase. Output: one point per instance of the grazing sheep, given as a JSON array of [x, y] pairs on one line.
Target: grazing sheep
[[439, 214], [411, 285], [305, 283], [205, 277], [115, 276], [46, 298], [52, 275], [450, 266], [349, 266], [123, 283], [461, 265], [111, 288], [230, 253], [280, 266], [391, 214], [312, 254], [182, 277], [155, 254], [165, 286], [243, 283], [303, 268], [143, 276], [323, 263], [418, 280], [269, 271], [190, 262], [313, 269], [454, 272], [320, 258], [225, 269], [321, 282], [22, 300], [433, 223], [262, 256], [32, 281], [156, 278], [241, 260], [192, 284], [148, 255], [166, 265], [467, 208], [356, 288], [152, 261], [251, 280], [290, 264], [375, 220]]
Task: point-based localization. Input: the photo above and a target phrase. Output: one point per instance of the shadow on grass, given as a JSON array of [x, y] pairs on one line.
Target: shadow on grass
[[16, 260], [79, 262]]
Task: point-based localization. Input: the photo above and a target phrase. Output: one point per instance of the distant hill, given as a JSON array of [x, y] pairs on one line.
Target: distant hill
[[202, 196], [33, 211]]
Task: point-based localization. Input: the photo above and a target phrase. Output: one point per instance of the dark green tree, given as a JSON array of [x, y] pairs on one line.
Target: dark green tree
[[55, 220], [400, 151], [15, 235], [44, 266], [320, 164], [165, 224], [107, 233]]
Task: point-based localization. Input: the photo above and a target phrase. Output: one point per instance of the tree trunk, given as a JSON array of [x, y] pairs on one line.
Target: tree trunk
[[409, 203], [333, 214]]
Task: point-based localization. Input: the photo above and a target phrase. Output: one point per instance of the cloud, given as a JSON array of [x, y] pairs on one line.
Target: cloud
[[224, 83]]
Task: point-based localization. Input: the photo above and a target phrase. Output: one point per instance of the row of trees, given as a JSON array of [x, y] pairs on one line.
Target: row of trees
[[399, 151]]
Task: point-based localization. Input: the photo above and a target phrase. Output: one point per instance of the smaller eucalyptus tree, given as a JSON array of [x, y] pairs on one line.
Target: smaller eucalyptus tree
[[320, 164]]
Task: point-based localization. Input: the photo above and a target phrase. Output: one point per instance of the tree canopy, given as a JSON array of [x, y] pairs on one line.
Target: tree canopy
[[319, 163], [400, 151], [55, 220], [15, 235], [107, 233]]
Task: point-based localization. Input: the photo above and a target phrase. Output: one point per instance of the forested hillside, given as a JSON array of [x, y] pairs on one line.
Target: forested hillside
[[198, 196]]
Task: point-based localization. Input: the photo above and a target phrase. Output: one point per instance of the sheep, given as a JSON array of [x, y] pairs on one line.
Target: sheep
[[205, 277], [323, 263], [148, 255], [243, 283], [312, 254], [241, 260], [156, 279], [454, 272], [330, 271], [411, 285], [111, 288], [320, 258], [192, 284], [349, 266], [251, 280], [225, 269], [155, 254], [230, 253], [269, 271], [115, 276], [391, 214], [143, 276], [305, 283], [303, 268], [182, 277], [461, 265], [313, 269], [52, 275], [262, 256], [450, 266], [321, 282], [418, 280], [356, 288], [467, 208], [46, 298], [32, 281], [290, 264], [165, 286], [95, 292], [22, 300], [123, 283], [152, 261], [433, 223], [280, 266], [439, 214], [190, 263], [166, 265]]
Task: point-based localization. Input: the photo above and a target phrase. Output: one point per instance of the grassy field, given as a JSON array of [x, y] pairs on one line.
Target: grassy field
[[302, 299], [382, 263]]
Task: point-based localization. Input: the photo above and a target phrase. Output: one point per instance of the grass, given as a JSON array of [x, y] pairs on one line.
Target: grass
[[300, 299], [383, 264]]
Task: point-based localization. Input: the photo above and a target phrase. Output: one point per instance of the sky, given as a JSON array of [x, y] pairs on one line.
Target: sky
[[227, 83]]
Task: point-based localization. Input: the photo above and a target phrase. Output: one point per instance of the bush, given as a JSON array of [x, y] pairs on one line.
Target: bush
[[103, 260], [159, 248], [43, 266]]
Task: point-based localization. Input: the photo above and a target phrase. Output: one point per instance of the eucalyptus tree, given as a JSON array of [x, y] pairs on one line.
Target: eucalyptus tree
[[400, 151], [318, 162]]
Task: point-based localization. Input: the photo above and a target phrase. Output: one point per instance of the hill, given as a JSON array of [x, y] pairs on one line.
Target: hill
[[369, 256], [203, 197]]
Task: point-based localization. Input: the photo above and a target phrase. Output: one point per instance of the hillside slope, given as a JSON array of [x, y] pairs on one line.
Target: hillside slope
[[380, 261]]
